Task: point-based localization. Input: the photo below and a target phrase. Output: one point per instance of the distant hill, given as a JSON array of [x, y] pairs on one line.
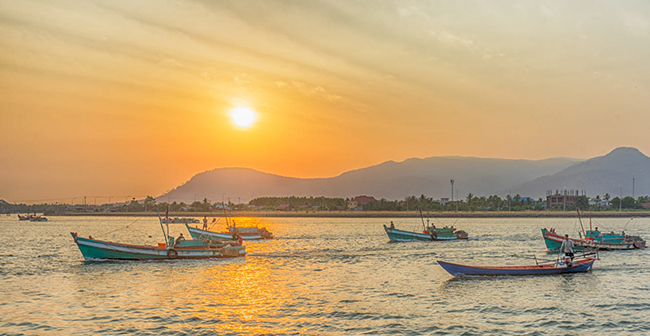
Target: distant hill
[[390, 180], [612, 173], [431, 177]]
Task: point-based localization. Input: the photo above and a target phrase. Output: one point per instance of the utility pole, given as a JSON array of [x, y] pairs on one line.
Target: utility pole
[[633, 187], [452, 192], [452, 189], [407, 200]]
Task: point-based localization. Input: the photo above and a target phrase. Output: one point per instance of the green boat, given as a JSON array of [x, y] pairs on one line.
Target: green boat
[[431, 233], [93, 249], [594, 241]]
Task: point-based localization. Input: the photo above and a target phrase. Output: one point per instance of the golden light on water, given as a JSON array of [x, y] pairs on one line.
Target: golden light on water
[[243, 117], [250, 294]]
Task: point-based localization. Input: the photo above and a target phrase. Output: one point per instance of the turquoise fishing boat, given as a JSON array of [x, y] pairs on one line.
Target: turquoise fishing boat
[[93, 249], [595, 240], [246, 233], [429, 234]]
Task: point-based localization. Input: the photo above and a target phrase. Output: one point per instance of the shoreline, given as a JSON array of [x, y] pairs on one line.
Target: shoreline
[[370, 214]]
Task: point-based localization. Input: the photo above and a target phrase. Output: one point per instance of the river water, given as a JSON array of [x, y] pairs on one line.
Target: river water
[[320, 276]]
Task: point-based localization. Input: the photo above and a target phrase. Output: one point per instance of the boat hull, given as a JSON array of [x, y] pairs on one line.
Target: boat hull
[[546, 269], [401, 235], [197, 233], [97, 249], [553, 242]]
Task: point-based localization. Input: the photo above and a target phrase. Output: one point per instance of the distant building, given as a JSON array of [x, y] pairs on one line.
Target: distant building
[[562, 198], [285, 207], [358, 202], [307, 207]]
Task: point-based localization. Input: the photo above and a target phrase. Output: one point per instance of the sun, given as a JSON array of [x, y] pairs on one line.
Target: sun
[[243, 117]]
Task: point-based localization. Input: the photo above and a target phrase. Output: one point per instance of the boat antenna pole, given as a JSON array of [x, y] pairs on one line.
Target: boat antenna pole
[[422, 218], [580, 219], [225, 215], [161, 226]]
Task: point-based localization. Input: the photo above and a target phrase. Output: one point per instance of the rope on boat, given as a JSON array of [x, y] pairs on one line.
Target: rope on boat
[[534, 257], [124, 228], [628, 222]]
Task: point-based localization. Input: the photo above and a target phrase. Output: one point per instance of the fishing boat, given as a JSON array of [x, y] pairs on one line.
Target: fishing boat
[[558, 267], [23, 218], [430, 233], [92, 249], [37, 219], [245, 232], [595, 240], [177, 220]]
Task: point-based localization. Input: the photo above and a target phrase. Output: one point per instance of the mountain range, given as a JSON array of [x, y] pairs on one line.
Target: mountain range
[[612, 173]]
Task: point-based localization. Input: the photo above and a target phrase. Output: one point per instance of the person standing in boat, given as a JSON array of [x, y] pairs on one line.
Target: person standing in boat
[[567, 249], [205, 223], [392, 226]]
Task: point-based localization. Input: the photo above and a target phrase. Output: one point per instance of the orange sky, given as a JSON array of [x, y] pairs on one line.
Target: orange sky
[[127, 99]]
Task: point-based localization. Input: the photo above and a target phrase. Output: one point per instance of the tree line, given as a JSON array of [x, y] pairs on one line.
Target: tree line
[[469, 203]]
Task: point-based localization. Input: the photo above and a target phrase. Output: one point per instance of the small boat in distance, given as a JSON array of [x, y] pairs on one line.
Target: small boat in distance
[[37, 219], [177, 220], [559, 267], [430, 233], [245, 232], [22, 218]]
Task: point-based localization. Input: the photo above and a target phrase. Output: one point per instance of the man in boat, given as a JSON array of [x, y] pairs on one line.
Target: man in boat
[[205, 223], [392, 226], [179, 239], [567, 249]]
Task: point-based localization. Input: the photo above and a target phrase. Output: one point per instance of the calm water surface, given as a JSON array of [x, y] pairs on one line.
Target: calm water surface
[[319, 277]]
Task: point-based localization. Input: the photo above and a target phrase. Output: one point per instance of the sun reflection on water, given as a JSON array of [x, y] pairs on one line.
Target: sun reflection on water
[[243, 295]]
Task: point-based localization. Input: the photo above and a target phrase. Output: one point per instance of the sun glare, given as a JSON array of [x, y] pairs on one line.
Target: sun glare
[[243, 117]]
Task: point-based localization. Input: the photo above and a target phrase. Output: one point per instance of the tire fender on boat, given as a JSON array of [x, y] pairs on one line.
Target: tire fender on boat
[[171, 253]]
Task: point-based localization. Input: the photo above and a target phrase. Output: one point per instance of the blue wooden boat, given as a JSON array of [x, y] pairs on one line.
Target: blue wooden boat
[[182, 249], [594, 241], [430, 234], [582, 265]]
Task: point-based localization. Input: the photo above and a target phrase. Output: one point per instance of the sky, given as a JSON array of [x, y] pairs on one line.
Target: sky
[[119, 99]]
